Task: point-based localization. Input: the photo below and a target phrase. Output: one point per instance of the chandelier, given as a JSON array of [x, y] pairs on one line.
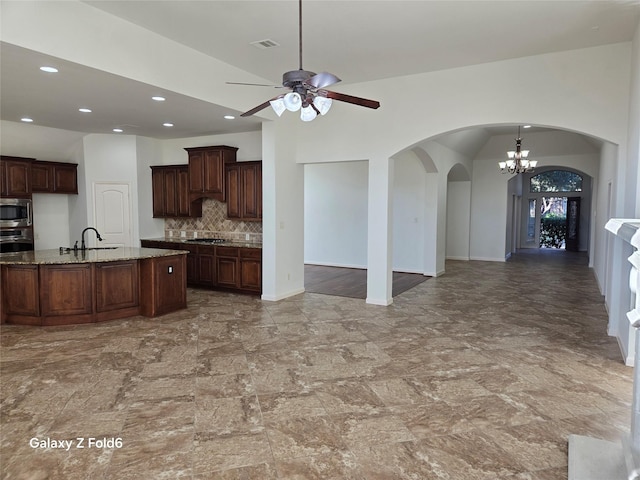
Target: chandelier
[[517, 160]]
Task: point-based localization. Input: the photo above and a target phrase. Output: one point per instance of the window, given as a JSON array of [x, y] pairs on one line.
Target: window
[[556, 181]]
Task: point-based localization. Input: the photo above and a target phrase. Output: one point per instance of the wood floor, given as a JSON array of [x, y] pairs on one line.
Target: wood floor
[[352, 282]]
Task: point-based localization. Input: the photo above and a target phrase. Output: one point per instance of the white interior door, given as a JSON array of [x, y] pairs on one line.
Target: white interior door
[[112, 213]]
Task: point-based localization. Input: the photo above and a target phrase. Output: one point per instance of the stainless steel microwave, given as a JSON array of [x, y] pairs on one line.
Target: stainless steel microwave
[[15, 212]]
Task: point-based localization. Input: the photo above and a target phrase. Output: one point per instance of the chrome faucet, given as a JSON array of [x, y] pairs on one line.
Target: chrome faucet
[[83, 246]]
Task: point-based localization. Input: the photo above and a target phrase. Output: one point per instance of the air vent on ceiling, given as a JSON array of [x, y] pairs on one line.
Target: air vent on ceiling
[[264, 44]]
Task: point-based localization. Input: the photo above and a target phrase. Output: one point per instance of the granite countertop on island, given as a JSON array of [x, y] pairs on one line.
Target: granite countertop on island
[[55, 257], [197, 241]]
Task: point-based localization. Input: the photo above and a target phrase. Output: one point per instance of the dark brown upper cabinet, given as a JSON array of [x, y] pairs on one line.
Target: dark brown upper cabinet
[[244, 191], [54, 177], [171, 198], [15, 176], [206, 171]]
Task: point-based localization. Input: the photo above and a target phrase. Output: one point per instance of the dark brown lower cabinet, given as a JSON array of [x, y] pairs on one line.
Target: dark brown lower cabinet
[[223, 267], [227, 267], [66, 294], [251, 269], [20, 292], [116, 285], [206, 266], [164, 280], [65, 290]]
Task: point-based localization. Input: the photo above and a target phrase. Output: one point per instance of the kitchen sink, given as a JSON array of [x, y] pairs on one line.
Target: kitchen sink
[[64, 250]]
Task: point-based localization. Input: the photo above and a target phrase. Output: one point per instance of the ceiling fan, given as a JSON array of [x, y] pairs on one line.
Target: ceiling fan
[[308, 92]]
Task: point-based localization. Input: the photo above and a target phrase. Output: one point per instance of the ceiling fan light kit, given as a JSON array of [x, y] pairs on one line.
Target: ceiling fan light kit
[[278, 106], [323, 104], [292, 101], [307, 91]]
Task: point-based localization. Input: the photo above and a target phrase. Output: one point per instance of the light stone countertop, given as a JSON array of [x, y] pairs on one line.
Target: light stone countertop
[[54, 257], [195, 241]]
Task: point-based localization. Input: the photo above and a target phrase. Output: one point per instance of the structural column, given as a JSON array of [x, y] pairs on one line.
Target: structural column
[[283, 211], [380, 231]]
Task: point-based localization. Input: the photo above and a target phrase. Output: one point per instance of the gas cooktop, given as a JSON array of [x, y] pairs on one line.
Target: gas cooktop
[[207, 240]]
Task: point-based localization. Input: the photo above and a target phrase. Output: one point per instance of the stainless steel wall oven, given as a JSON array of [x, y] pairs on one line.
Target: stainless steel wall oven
[[15, 212], [16, 225]]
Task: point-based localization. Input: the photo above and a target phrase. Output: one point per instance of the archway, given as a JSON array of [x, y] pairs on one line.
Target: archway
[[549, 196]]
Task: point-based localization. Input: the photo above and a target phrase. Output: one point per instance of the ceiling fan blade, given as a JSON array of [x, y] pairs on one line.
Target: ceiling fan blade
[[322, 79], [262, 106], [254, 84], [342, 97]]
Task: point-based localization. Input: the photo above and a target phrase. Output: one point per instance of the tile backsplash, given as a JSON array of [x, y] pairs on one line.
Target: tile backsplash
[[213, 224]]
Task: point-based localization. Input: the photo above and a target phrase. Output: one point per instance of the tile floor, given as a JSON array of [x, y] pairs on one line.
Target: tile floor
[[479, 374]]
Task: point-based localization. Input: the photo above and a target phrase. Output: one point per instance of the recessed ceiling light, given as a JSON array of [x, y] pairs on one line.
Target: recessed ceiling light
[[118, 130], [49, 69], [526, 126], [26, 119], [84, 110], [229, 117], [158, 98], [167, 124]]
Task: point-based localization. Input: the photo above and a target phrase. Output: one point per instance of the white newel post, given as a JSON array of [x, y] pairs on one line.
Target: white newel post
[[594, 459]]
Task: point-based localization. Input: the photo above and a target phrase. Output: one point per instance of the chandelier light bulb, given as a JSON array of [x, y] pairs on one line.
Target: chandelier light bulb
[[323, 104], [292, 101], [307, 113], [278, 106]]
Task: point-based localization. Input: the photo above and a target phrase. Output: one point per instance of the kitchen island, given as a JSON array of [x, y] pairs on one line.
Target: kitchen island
[[56, 287], [217, 263]]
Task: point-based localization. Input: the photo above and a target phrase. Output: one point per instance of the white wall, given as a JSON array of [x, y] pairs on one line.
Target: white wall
[[458, 220], [51, 212], [148, 151], [409, 204], [111, 159], [626, 203], [335, 214], [634, 114]]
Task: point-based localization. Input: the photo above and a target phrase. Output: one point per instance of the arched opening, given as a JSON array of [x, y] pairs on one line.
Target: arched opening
[[449, 199], [556, 209]]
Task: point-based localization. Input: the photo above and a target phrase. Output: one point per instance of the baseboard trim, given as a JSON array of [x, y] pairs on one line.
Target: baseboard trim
[[463, 259], [377, 301], [282, 296], [488, 259], [433, 274], [626, 358]]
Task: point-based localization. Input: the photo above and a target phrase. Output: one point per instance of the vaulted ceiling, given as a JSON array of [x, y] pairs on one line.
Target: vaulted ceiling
[[358, 40]]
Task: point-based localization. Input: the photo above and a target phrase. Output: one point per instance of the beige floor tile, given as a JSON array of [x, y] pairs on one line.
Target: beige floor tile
[[461, 377]]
